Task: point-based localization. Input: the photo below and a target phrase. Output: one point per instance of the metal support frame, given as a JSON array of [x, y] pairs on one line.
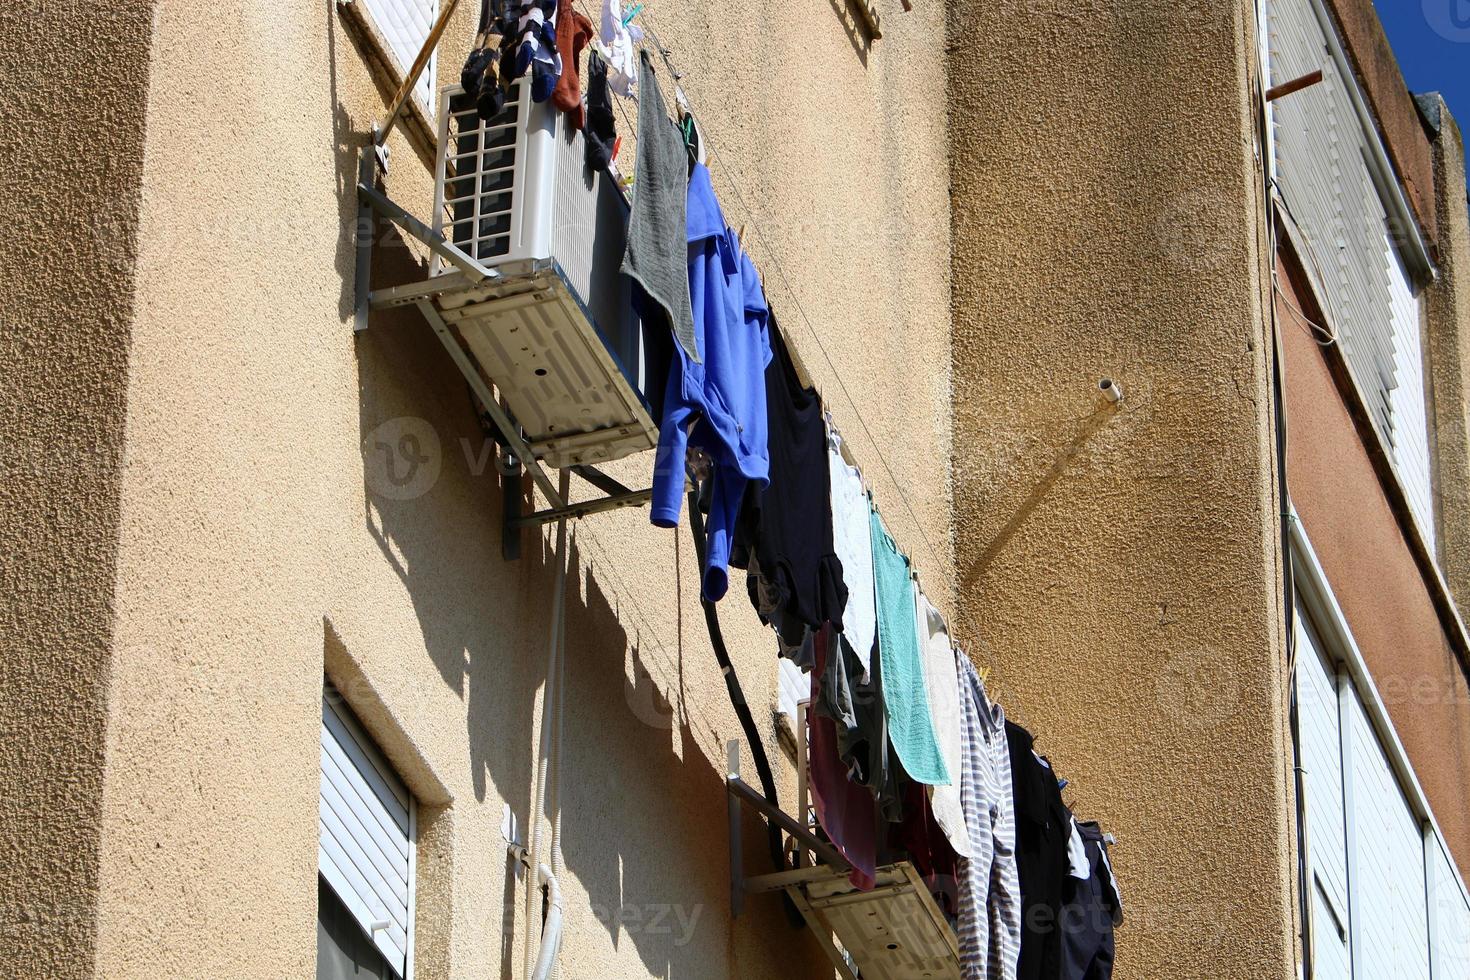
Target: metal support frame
[[742, 793], [633, 498], [436, 242], [363, 281], [510, 508], [802, 707]]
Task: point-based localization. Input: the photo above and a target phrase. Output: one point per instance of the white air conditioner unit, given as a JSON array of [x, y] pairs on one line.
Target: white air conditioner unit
[[556, 332]]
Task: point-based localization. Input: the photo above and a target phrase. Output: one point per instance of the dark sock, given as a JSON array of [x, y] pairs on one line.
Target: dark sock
[[601, 132], [474, 69], [543, 80]]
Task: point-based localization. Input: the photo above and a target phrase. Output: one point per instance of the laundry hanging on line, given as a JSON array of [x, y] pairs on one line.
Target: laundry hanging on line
[[908, 756]]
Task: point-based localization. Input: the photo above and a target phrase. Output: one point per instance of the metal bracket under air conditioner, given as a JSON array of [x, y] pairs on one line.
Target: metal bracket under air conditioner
[[892, 931], [471, 273]]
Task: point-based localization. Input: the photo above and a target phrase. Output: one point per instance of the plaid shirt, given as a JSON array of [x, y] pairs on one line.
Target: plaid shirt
[[990, 890]]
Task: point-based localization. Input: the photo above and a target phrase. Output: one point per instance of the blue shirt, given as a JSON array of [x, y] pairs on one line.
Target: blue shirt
[[724, 393]]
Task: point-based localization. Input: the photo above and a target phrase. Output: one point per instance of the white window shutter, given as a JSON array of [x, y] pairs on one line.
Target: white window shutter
[[794, 686], [367, 829], [405, 25], [1409, 410], [1321, 749], [1322, 168], [1389, 914], [1449, 913]]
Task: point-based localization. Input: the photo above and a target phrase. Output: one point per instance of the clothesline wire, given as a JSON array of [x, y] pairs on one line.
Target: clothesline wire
[[770, 253]]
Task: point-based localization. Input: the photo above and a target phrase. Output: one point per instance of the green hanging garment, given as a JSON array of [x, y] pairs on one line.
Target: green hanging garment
[[905, 699]]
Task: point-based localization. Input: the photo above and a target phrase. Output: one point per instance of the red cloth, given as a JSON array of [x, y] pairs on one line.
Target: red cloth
[[573, 31], [845, 810], [927, 845]]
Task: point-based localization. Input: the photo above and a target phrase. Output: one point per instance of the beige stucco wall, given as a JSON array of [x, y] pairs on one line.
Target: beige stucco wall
[[1118, 567], [73, 159], [257, 543]]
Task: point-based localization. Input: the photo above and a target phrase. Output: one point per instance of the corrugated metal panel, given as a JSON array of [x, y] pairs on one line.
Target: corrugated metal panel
[[1322, 154], [405, 25], [1390, 915], [1449, 911], [365, 851]]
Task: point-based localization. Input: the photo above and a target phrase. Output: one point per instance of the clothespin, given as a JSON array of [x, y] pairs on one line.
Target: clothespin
[[741, 237], [628, 17], [984, 673]]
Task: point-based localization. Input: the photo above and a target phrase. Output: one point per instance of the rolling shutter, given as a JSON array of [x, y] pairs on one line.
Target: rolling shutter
[[1390, 920], [1387, 903], [1407, 404], [405, 24], [367, 827], [1321, 748], [1449, 914], [1370, 299]]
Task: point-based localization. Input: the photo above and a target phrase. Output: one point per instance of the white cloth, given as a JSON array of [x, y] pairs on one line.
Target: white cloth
[[942, 683], [852, 539], [1077, 864], [622, 49]]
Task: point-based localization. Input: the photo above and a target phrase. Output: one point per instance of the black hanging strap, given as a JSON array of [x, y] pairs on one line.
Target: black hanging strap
[[737, 699]]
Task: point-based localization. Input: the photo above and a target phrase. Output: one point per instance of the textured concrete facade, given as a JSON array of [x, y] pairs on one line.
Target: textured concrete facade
[[962, 228], [71, 182], [259, 543], [1118, 566]]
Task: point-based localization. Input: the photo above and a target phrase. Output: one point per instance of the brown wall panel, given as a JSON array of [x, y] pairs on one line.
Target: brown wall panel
[[1373, 572]]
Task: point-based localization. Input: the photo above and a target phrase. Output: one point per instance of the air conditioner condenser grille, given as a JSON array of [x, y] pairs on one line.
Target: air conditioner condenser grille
[[477, 179]]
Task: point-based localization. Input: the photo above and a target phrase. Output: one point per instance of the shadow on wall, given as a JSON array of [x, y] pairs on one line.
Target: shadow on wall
[[347, 146], [855, 27], [644, 818], [643, 809]]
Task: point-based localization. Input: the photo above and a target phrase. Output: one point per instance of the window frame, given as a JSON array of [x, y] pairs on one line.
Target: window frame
[[335, 702], [1323, 620], [419, 111]]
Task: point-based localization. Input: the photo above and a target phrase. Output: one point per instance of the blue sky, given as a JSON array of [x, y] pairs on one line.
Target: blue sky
[[1431, 39]]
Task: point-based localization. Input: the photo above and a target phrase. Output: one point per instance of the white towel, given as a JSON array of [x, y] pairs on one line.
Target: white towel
[[852, 539], [943, 684]]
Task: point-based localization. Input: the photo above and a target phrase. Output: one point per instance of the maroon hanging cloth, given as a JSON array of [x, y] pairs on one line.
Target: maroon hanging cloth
[[845, 809], [927, 845]]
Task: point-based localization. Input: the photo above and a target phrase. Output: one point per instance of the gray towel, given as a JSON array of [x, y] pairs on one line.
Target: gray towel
[[658, 235]]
